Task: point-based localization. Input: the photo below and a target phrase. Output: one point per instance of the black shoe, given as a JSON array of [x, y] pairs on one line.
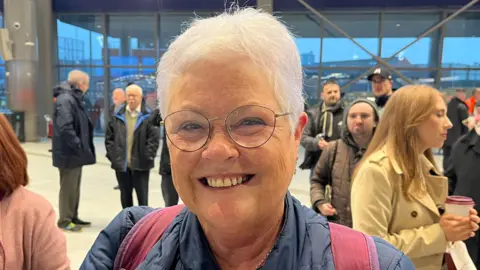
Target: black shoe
[[81, 223], [117, 187]]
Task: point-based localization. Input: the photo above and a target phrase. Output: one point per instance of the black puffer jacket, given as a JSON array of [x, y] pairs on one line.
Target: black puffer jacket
[[72, 142], [145, 142]]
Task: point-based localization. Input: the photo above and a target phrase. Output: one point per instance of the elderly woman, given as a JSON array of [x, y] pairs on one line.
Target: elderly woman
[[231, 90], [29, 238], [398, 192]]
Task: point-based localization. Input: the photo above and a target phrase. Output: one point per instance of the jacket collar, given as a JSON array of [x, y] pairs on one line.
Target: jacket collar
[[195, 250], [143, 109], [436, 185], [426, 164]]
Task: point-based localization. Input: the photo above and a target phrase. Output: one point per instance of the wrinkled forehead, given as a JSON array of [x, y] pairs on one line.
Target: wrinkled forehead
[[221, 84]]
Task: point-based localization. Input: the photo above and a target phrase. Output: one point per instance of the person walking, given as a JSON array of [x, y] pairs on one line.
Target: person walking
[[132, 142], [72, 146]]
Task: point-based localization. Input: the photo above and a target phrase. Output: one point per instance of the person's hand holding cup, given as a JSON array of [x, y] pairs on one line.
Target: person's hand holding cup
[[460, 220]]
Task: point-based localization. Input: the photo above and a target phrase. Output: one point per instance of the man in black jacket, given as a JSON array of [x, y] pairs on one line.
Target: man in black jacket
[[323, 124], [457, 112], [72, 146], [463, 173], [382, 86], [132, 142]]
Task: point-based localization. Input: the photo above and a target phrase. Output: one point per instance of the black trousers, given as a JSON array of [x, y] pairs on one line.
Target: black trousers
[[170, 195], [129, 180], [69, 197]]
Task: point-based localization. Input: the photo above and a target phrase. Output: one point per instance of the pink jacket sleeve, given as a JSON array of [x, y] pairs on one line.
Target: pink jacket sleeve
[[49, 246]]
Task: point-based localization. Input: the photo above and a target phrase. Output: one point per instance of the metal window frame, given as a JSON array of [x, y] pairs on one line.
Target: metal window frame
[[439, 68]]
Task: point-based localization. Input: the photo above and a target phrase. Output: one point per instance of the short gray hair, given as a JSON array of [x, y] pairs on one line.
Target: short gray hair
[[77, 77], [134, 87], [251, 32]]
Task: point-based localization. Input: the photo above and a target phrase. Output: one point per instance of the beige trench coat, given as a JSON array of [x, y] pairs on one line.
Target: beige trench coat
[[380, 209]]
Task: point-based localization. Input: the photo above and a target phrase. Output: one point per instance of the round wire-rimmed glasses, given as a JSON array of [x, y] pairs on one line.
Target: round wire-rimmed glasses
[[249, 126]]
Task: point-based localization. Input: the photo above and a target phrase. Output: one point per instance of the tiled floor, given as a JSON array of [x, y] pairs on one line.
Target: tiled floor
[[99, 202]]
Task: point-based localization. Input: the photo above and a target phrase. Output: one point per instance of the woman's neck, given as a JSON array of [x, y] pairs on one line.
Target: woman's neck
[[246, 247]]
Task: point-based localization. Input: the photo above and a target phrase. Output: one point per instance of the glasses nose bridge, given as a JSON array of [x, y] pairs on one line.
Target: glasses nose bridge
[[225, 127]]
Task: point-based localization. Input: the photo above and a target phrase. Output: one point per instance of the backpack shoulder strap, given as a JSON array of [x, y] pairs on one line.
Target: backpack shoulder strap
[[332, 162], [352, 249], [143, 236]]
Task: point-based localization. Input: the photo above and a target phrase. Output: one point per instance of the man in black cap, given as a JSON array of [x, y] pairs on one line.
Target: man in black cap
[[381, 86]]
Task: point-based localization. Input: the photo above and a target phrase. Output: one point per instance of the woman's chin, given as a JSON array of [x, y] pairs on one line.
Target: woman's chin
[[228, 214]]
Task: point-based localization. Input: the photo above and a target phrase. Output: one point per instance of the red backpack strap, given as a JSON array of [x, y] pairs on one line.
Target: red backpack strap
[[352, 249], [143, 236]]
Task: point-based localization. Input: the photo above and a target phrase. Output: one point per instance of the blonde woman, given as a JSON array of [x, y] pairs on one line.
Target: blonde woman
[[397, 190]]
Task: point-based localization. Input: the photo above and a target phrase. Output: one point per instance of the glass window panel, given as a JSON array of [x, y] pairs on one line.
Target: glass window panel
[[93, 101], [306, 28], [344, 77], [145, 78], [416, 76], [310, 85], [3, 90], [172, 25], [339, 51], [400, 30], [461, 45], [80, 39], [460, 78], [131, 40], [1, 26]]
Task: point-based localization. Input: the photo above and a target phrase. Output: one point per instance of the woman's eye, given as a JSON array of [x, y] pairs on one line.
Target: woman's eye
[[190, 127], [251, 122]]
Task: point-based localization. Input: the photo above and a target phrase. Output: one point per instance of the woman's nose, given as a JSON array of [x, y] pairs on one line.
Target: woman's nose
[[448, 123], [220, 147]]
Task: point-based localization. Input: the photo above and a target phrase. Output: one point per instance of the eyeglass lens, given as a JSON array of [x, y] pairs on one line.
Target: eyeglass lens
[[248, 126]]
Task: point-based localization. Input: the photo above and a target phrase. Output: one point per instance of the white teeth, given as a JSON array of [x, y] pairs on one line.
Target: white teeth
[[226, 182]]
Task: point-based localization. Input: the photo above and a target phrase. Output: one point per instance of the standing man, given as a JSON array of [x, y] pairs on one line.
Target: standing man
[[457, 112], [323, 125], [338, 161], [473, 100], [72, 146], [381, 80], [118, 98], [463, 173], [132, 142]]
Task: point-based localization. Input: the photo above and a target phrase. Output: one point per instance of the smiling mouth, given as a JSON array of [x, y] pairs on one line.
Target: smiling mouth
[[226, 182]]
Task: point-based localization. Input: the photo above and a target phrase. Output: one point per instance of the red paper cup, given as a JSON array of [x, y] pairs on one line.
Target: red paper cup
[[459, 205]]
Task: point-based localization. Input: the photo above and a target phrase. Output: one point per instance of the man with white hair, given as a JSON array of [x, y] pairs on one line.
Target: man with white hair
[[132, 142], [230, 90], [72, 145]]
